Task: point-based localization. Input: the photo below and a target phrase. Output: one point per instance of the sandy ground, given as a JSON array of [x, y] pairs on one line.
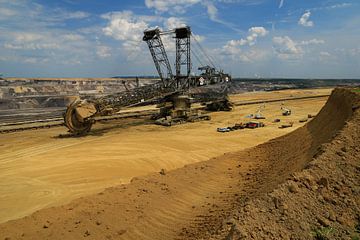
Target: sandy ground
[[38, 169]]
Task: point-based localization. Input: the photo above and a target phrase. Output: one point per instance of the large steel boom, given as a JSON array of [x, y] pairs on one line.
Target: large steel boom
[[158, 53]]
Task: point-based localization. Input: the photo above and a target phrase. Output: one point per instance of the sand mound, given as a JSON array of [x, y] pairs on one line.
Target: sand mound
[[320, 202], [231, 196]]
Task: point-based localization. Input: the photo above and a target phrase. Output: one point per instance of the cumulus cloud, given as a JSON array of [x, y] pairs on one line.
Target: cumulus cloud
[[174, 22], [124, 26], [103, 51], [305, 20], [47, 40], [233, 48], [237, 54], [254, 34], [212, 11], [286, 48], [327, 57], [128, 28], [176, 6]]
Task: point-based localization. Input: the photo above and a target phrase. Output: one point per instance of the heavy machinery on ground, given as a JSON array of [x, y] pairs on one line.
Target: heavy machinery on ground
[[286, 111], [173, 92]]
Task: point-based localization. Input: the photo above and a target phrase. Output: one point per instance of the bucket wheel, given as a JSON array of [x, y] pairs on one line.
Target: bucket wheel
[[77, 117]]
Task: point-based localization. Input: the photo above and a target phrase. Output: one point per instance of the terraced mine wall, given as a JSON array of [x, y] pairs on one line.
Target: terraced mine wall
[[23, 93]]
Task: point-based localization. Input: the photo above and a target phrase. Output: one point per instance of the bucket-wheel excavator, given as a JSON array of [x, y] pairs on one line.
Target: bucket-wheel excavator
[[173, 91]]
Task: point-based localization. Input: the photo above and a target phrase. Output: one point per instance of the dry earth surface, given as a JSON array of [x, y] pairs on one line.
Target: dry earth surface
[[39, 169]]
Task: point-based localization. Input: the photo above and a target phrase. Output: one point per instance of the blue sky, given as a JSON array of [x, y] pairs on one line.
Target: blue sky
[[248, 38]]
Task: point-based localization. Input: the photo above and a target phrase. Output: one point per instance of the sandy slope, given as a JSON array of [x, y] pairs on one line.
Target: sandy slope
[[39, 170], [320, 202], [189, 202]]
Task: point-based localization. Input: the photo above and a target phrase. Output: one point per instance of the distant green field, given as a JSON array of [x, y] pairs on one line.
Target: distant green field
[[357, 90]]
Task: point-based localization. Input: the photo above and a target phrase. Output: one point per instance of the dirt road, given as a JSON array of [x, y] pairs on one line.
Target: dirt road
[[39, 169]]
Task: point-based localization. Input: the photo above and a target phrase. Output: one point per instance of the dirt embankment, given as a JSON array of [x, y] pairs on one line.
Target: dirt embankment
[[234, 196], [320, 202]]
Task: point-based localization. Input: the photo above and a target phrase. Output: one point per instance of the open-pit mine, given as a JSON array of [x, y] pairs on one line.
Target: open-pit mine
[[180, 156]]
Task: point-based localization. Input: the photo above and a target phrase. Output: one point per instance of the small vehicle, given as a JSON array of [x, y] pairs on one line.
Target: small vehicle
[[287, 125], [259, 116], [285, 111], [223, 130], [253, 125], [303, 120], [238, 126], [311, 115]]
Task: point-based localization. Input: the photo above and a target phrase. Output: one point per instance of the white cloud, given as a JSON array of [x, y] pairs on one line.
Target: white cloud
[[73, 37], [24, 37], [233, 48], [355, 51], [128, 28], [312, 42], [304, 20], [174, 22], [340, 5], [254, 34], [327, 57], [243, 2], [103, 51], [47, 40], [31, 46], [281, 3], [74, 15], [177, 6], [212, 11], [286, 48], [124, 26], [334, 6], [325, 54], [34, 33], [6, 12], [260, 31]]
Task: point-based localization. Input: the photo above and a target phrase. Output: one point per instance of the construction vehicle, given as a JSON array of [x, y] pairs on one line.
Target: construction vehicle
[[178, 110], [174, 93], [254, 124], [311, 115], [287, 125], [258, 114], [303, 120], [285, 111], [223, 104], [223, 130]]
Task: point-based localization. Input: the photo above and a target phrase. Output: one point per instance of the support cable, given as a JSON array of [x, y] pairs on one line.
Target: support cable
[[204, 52]]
